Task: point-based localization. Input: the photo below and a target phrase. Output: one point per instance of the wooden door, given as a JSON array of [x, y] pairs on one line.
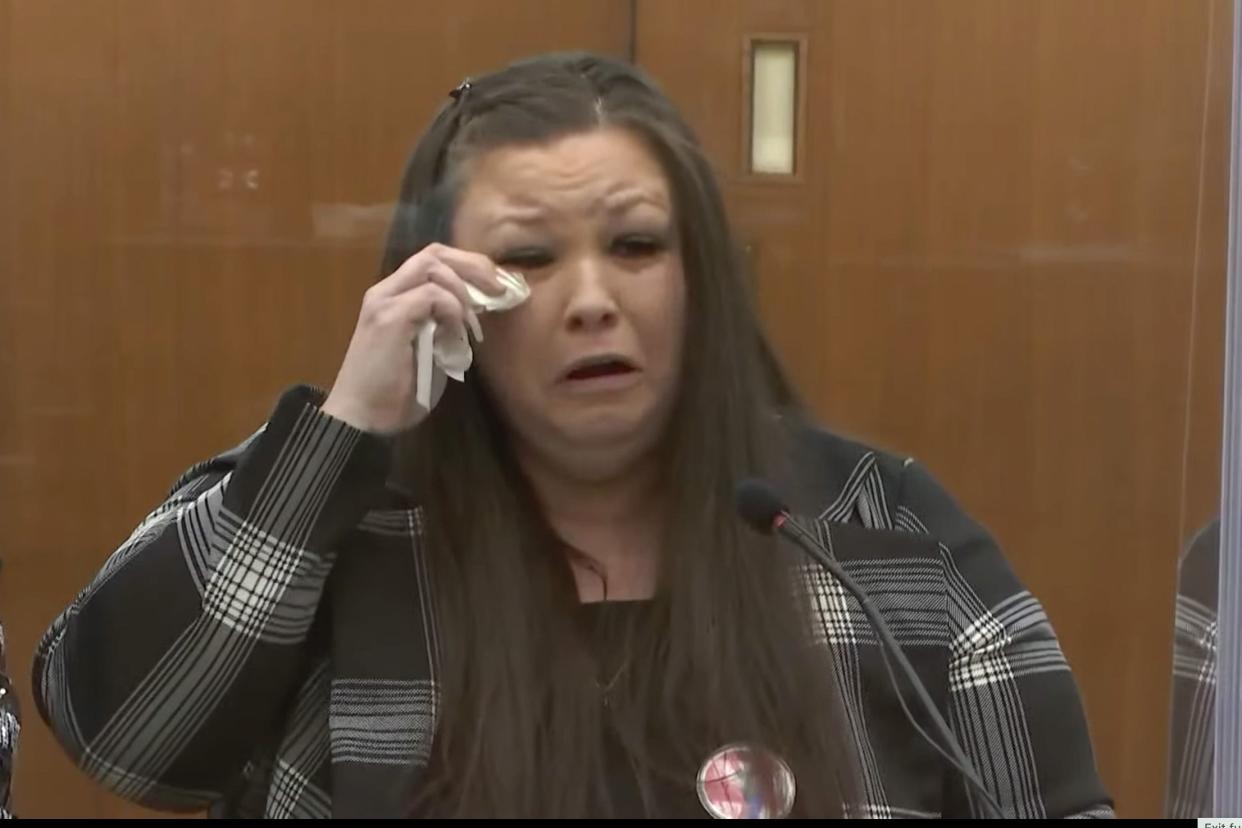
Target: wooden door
[[1007, 214]]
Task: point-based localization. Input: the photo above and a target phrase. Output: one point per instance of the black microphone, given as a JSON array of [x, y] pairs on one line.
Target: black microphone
[[763, 510]]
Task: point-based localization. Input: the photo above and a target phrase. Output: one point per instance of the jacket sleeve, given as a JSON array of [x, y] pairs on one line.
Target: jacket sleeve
[[174, 664], [1015, 706]]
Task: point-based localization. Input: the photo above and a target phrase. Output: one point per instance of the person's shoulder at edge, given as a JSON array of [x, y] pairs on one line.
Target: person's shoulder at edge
[[10, 729], [1199, 566]]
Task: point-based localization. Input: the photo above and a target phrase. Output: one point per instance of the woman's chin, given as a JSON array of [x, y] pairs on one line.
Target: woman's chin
[[605, 446], [612, 428]]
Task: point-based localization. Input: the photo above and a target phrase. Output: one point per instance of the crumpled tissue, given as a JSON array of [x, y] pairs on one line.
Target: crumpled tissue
[[448, 346]]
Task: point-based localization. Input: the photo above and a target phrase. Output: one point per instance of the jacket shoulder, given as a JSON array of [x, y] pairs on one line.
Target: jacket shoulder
[[844, 480]]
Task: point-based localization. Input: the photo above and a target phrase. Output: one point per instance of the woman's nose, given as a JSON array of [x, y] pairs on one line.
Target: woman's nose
[[591, 307]]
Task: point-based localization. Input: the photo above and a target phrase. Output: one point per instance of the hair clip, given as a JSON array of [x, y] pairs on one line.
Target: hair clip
[[462, 89]]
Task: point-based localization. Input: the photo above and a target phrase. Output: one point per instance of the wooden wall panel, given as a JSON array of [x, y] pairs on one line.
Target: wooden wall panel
[[1206, 362], [1008, 213], [8, 408], [1009, 234], [152, 303]]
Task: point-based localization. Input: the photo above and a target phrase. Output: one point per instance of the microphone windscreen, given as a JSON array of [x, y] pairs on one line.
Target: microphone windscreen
[[759, 505]]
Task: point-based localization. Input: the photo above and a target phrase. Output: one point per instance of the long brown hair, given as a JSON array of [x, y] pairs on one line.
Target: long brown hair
[[725, 653]]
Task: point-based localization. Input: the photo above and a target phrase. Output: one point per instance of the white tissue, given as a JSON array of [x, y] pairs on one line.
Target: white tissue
[[447, 347]]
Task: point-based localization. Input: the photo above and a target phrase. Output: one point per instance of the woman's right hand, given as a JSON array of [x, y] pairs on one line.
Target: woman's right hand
[[375, 387]]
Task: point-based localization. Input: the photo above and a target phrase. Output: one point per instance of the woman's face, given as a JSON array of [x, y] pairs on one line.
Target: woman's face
[[587, 369]]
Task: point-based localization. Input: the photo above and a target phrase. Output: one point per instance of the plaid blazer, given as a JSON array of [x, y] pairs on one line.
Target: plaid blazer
[[1192, 737], [264, 643]]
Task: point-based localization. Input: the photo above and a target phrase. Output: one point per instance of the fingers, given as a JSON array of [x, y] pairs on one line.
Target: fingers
[[441, 274], [409, 275], [428, 301], [474, 268]]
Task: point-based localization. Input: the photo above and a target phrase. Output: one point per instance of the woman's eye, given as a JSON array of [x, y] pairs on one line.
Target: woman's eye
[[637, 246], [525, 257]]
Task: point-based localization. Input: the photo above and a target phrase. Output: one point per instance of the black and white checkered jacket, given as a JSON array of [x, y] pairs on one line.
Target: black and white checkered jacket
[[1192, 720], [264, 644], [10, 732]]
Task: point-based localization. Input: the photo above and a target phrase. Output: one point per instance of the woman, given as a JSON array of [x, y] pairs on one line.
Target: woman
[[535, 599]]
